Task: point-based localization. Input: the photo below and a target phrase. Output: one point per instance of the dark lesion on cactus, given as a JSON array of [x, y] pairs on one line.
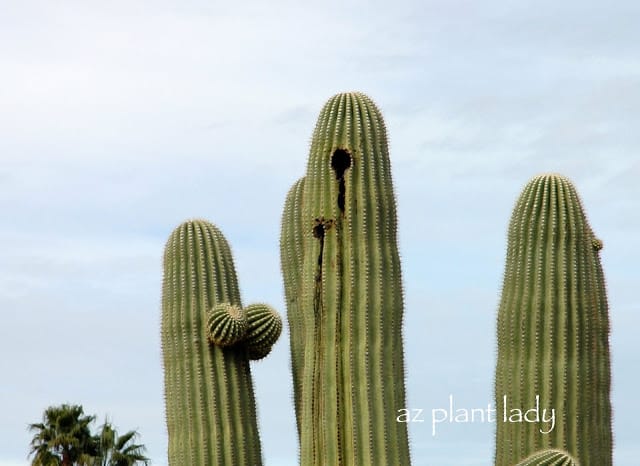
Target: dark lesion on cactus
[[340, 161], [318, 230], [320, 227]]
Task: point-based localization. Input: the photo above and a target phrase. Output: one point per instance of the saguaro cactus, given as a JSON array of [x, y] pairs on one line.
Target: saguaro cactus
[[344, 291], [207, 341], [553, 330], [549, 458], [291, 261]]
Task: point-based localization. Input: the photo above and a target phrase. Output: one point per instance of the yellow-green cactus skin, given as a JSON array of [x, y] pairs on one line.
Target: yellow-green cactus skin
[[344, 293], [549, 458], [291, 263], [553, 329], [207, 342]]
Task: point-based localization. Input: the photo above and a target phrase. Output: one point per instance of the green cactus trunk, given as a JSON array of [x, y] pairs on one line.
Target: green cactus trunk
[[549, 458], [346, 317], [553, 329], [207, 341], [291, 263]]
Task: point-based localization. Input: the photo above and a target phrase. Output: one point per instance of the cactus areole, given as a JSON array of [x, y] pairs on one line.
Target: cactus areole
[[343, 285], [553, 329]]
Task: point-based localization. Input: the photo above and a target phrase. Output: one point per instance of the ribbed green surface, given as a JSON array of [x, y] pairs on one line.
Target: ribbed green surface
[[226, 324], [553, 329], [264, 327], [549, 458], [209, 398], [350, 317], [291, 263]]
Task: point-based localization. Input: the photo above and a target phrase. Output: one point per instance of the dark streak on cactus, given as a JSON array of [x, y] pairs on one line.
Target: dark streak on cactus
[[553, 328]]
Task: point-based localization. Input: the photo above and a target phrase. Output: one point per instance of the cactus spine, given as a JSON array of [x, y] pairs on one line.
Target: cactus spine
[[346, 315], [207, 339], [553, 329], [549, 458]]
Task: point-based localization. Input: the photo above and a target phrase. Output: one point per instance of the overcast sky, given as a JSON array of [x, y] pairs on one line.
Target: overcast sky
[[119, 120]]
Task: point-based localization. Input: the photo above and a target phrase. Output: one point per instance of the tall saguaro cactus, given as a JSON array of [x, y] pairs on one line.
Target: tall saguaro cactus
[[553, 330], [207, 341], [344, 292]]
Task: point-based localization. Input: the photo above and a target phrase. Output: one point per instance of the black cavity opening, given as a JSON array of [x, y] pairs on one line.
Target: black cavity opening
[[340, 161], [321, 225], [318, 231]]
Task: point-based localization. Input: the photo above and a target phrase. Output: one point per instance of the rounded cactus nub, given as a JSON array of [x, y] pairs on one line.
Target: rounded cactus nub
[[227, 324], [597, 244], [264, 327], [549, 458], [553, 329]]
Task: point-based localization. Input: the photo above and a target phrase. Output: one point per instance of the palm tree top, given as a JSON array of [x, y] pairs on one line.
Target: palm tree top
[[64, 438]]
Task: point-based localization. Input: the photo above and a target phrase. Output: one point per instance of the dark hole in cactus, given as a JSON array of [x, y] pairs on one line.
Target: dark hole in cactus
[[318, 231], [340, 161], [320, 227], [321, 238]]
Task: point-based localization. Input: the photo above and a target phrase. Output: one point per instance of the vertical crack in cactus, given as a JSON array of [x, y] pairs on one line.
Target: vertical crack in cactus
[[206, 340], [320, 227], [553, 329], [346, 319]]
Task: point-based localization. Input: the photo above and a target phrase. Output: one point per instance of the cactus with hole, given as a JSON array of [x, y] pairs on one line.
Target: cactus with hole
[[343, 284], [549, 458], [207, 342], [553, 329]]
